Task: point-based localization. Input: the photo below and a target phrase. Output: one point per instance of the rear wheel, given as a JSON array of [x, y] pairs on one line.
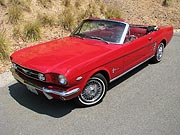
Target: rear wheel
[[159, 53], [94, 91]]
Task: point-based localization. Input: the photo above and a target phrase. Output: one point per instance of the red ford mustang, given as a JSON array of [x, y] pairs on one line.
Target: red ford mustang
[[82, 65]]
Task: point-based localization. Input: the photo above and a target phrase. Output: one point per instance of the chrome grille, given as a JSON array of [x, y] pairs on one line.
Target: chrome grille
[[30, 73]]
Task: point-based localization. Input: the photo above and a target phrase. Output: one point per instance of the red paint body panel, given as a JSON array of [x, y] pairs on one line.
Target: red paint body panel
[[47, 57], [74, 57]]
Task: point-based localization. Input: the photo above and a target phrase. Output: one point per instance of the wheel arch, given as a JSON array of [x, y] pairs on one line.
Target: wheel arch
[[102, 71], [164, 42]]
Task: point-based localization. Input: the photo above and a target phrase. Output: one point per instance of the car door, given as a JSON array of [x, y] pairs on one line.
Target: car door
[[137, 51]]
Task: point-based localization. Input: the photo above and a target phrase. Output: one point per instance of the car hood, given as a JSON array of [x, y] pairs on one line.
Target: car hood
[[59, 55]]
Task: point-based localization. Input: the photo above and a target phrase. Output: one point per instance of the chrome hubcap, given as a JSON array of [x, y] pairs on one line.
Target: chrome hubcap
[[160, 52], [93, 91]]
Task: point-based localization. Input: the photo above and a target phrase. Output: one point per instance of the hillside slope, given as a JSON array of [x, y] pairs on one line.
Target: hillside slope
[[149, 11], [133, 11], [28, 22]]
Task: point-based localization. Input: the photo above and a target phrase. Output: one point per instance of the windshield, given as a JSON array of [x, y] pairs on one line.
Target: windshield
[[104, 30]]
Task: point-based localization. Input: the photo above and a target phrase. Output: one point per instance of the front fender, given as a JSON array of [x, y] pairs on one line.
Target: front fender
[[86, 76]]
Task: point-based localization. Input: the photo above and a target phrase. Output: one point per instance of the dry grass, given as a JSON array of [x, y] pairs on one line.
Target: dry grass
[[4, 47], [21, 4], [14, 14], [103, 9], [2, 3], [167, 2], [66, 3], [16, 32], [112, 13], [15, 2], [67, 19], [32, 31], [92, 10], [45, 3], [72, 15], [78, 3], [45, 19]]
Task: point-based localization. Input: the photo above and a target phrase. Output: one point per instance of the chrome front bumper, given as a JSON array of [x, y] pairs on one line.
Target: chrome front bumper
[[43, 89]]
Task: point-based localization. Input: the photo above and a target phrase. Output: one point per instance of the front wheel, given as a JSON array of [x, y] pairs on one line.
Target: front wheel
[[94, 91], [159, 53]]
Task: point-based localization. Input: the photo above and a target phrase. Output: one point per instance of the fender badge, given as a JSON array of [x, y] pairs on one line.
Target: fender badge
[[114, 70]]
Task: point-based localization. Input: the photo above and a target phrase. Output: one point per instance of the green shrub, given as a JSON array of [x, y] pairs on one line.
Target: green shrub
[[32, 31], [46, 19], [4, 53], [112, 13], [14, 14], [45, 3]]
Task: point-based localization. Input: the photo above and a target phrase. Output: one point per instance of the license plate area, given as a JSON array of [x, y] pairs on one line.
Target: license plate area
[[31, 89]]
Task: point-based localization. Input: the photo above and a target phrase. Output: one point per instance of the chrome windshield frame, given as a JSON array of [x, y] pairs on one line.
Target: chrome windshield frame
[[126, 29], [122, 39]]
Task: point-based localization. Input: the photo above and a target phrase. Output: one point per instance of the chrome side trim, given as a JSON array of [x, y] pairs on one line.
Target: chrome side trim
[[43, 89], [130, 70]]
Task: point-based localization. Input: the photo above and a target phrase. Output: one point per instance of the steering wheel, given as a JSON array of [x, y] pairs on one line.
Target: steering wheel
[[132, 37]]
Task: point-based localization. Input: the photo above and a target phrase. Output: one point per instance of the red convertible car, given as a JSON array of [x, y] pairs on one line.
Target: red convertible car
[[82, 65]]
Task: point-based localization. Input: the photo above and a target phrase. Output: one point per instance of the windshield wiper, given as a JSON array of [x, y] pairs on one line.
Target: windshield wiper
[[98, 38], [80, 35], [77, 35]]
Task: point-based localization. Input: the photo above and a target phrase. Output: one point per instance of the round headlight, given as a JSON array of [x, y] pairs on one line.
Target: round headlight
[[41, 77], [62, 80], [14, 65]]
